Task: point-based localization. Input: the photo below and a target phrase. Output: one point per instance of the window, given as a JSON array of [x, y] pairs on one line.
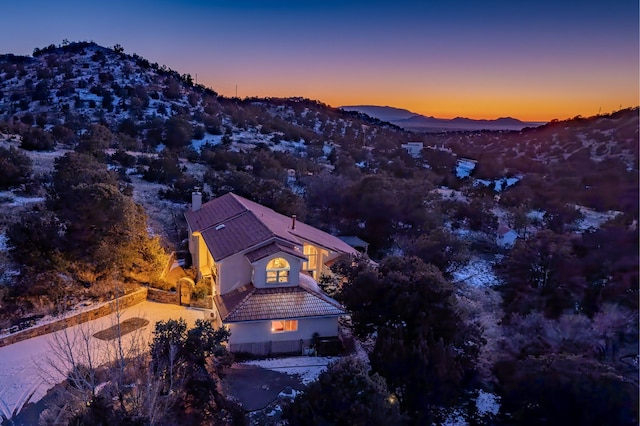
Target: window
[[312, 255], [278, 270], [282, 326]]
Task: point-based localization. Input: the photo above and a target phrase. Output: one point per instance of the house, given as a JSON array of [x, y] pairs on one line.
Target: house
[[355, 242], [263, 268], [506, 236], [414, 149]]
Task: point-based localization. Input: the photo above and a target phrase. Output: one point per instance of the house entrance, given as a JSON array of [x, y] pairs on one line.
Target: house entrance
[[185, 288]]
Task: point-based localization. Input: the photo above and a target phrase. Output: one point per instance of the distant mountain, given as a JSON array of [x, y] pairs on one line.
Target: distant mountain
[[421, 123], [384, 113]]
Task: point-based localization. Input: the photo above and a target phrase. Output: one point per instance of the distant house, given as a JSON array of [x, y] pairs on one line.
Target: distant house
[[263, 268], [506, 237], [414, 149]]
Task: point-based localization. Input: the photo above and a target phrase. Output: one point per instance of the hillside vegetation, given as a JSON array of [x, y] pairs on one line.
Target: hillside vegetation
[[101, 149]]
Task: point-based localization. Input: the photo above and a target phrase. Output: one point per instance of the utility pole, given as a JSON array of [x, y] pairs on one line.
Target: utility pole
[[236, 90]]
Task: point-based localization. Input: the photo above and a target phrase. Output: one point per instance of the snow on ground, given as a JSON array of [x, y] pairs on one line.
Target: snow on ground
[[3, 241], [207, 139], [478, 272], [499, 185], [536, 216], [24, 366], [13, 200], [594, 219], [487, 403], [307, 367], [451, 194], [464, 167]]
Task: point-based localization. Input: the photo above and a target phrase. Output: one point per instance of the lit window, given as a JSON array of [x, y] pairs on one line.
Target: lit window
[[278, 271], [312, 255], [282, 326]]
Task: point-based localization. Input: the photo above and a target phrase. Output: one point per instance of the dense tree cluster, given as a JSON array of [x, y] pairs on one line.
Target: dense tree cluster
[[424, 347], [346, 394], [89, 229]]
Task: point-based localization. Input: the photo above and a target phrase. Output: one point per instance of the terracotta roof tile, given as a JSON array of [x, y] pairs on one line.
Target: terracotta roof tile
[[259, 304]]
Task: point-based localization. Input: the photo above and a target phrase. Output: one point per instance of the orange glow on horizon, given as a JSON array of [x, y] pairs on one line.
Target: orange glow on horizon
[[532, 104]]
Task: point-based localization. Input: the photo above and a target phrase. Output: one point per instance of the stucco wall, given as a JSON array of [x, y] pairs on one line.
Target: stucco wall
[[260, 271], [258, 339], [235, 271], [260, 331], [82, 317]]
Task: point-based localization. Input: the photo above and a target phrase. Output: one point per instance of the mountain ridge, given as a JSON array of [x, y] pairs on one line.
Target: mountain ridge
[[409, 120]]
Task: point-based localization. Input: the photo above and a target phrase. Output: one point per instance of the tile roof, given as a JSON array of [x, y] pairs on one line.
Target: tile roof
[[249, 303], [247, 224], [273, 248]]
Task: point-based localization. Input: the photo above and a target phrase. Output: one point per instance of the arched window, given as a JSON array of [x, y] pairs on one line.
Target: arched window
[[278, 270]]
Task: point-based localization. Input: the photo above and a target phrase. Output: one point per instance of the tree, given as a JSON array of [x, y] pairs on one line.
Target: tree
[[345, 394], [323, 196], [540, 274], [164, 169], [440, 248], [423, 349], [15, 167], [34, 241], [169, 338], [36, 139], [95, 141], [561, 389], [101, 225], [190, 363], [73, 170], [41, 91], [178, 132], [608, 259]]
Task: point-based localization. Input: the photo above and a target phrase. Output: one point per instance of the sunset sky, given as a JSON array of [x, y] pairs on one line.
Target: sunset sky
[[535, 61]]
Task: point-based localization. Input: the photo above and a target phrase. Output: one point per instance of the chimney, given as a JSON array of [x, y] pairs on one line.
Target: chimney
[[293, 221], [196, 200]]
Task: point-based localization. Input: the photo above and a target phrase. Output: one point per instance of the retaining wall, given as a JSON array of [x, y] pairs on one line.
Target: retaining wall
[[162, 296], [82, 317]]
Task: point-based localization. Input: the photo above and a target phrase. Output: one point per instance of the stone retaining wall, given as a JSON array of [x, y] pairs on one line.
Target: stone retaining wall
[[90, 315], [161, 296]]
